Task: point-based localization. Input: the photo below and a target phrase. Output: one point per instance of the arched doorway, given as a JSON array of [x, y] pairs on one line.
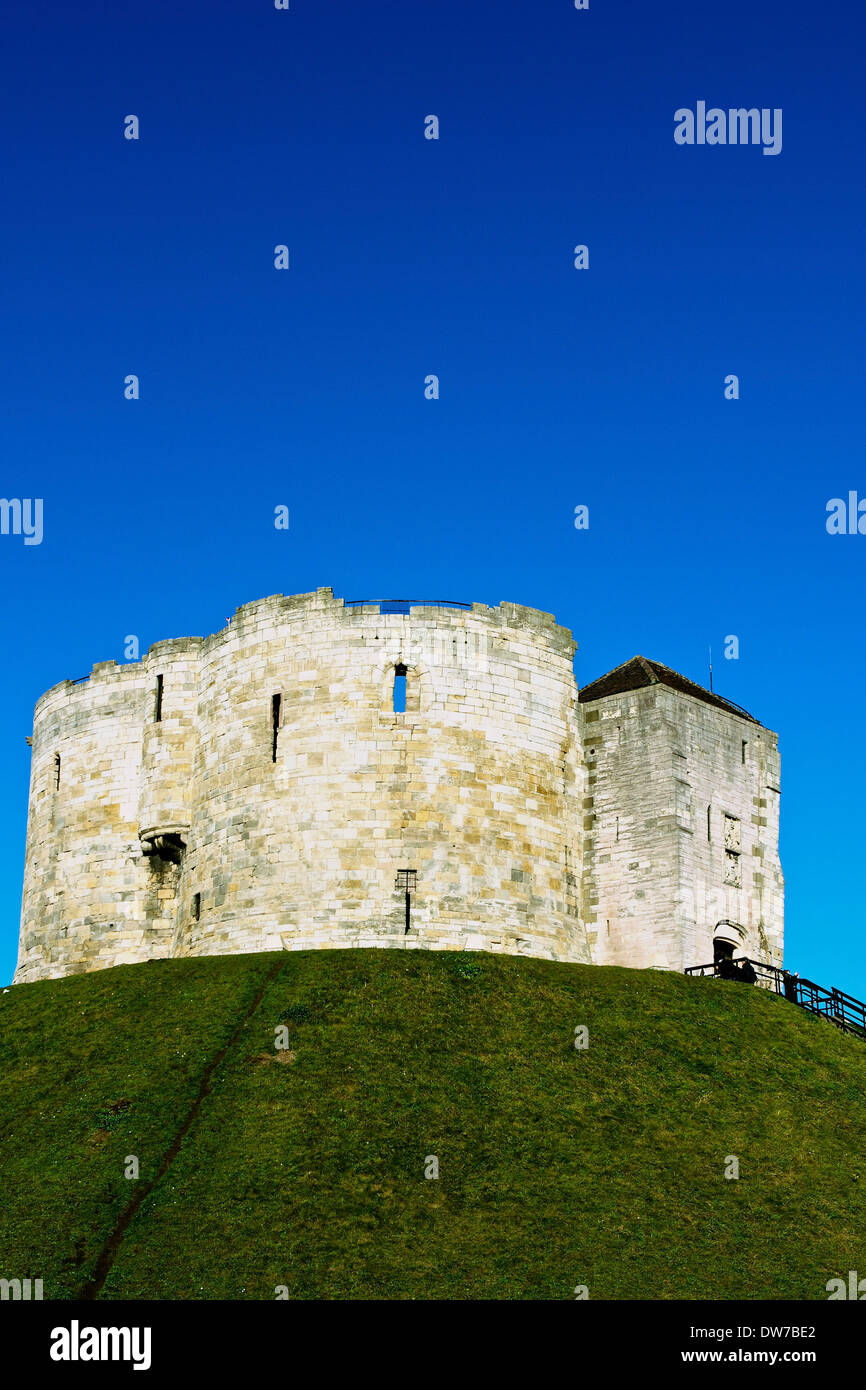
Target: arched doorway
[[728, 940]]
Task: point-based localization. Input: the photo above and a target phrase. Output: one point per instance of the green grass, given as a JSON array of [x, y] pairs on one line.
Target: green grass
[[557, 1167]]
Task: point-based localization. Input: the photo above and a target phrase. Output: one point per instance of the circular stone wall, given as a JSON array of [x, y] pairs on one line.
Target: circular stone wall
[[258, 790]]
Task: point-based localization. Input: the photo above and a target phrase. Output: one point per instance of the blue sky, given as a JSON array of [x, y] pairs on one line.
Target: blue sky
[[409, 256]]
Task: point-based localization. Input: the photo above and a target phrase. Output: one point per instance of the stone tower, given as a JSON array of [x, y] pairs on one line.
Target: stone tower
[[267, 788], [258, 790], [681, 848]]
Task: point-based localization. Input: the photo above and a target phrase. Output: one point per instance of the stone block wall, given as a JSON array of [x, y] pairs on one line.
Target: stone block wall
[[257, 790], [83, 904], [682, 824], [201, 832]]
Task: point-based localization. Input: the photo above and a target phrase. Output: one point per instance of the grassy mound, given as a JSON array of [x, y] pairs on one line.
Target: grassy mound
[[304, 1167]]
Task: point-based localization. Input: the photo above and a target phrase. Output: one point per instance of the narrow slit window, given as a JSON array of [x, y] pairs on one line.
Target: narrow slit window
[[744, 747], [196, 906], [400, 689], [158, 711], [709, 823], [407, 879], [56, 771], [276, 716]]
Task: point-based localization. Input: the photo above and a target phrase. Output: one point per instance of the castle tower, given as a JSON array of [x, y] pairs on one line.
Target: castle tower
[[324, 774], [259, 790], [681, 858]]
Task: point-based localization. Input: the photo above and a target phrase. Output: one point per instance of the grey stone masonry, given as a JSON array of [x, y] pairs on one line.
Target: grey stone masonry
[[259, 790], [681, 830]]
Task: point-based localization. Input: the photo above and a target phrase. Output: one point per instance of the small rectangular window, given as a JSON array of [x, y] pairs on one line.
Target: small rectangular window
[[196, 906], [158, 711], [743, 750], [400, 689], [407, 879]]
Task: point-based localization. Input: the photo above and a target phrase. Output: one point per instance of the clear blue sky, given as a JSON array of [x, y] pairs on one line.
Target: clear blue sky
[[410, 257]]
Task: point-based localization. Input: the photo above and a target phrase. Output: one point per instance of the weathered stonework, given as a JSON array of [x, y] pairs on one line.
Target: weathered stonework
[[679, 793], [256, 790]]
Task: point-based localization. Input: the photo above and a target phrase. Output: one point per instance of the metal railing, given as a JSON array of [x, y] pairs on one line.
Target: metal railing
[[833, 1004]]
